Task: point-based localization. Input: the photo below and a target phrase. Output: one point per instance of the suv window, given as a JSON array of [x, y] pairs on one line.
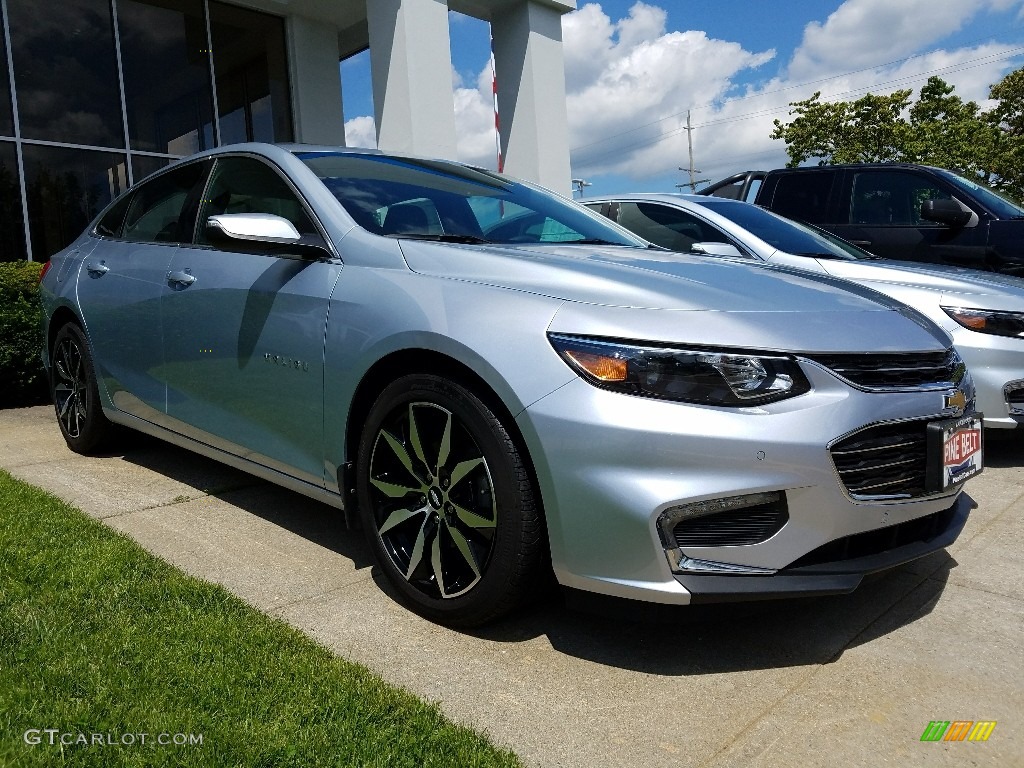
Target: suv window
[[803, 196], [247, 185], [892, 197]]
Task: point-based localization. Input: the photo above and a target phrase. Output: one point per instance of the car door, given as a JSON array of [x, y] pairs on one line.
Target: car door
[[122, 281], [884, 217], [244, 330]]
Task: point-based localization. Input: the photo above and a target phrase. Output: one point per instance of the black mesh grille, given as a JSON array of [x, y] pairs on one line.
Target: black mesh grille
[[888, 460], [875, 542], [900, 371], [738, 527]]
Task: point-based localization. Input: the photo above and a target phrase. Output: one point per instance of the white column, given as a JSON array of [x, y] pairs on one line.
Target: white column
[[315, 82], [411, 67], [531, 94]]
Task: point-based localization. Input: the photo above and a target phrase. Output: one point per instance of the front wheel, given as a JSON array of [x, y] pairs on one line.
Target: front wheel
[[75, 393], [447, 502]]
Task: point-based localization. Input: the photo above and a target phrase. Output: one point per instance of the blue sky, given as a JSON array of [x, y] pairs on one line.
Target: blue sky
[[634, 68]]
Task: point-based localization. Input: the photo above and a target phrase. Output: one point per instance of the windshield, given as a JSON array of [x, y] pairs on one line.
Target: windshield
[[996, 203], [438, 200], [781, 233]]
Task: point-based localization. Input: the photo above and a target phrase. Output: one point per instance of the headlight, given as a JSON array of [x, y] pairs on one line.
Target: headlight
[[989, 321], [693, 376]]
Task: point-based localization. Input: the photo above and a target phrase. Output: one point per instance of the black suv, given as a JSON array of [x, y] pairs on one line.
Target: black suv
[[895, 210]]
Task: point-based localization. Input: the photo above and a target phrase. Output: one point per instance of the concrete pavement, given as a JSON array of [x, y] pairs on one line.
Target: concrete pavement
[[843, 681]]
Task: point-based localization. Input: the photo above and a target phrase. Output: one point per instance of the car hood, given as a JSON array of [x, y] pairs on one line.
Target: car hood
[[739, 304], [955, 285]]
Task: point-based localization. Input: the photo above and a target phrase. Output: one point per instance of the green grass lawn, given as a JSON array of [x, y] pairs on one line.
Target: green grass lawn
[[102, 642]]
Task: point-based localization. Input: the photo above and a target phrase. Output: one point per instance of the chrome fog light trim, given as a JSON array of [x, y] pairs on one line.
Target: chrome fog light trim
[[680, 563], [674, 515]]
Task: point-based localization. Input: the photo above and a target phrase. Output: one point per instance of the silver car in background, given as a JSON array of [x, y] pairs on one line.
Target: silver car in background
[[983, 311], [493, 381]]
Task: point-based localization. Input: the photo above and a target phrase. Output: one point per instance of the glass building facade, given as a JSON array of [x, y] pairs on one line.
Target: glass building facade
[[97, 94]]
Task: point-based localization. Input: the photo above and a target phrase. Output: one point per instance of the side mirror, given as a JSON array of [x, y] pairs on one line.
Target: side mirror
[[264, 233], [948, 212], [717, 249]]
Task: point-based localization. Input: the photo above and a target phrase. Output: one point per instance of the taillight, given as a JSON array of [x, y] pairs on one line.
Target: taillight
[[44, 270]]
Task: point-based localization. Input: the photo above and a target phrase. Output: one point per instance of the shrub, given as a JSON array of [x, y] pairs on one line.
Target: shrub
[[22, 377]]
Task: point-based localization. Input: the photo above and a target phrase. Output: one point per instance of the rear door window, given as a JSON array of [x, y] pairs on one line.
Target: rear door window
[[804, 196]]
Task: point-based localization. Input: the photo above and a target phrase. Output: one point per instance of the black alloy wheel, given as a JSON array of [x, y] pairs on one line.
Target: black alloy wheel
[[75, 394], [447, 502]]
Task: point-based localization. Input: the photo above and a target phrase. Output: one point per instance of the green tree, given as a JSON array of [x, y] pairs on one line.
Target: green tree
[[1006, 162], [868, 130]]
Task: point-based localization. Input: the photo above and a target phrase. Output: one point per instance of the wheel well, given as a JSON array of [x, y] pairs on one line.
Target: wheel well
[[60, 318], [406, 362]]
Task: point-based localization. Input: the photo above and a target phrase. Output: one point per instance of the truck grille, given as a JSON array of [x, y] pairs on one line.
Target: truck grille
[[899, 371], [889, 460]]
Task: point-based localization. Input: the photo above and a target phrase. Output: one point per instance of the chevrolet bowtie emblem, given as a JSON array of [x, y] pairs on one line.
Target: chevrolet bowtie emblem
[[957, 400]]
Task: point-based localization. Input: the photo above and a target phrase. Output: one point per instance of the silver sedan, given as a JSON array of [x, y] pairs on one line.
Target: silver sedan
[[983, 311], [494, 381]]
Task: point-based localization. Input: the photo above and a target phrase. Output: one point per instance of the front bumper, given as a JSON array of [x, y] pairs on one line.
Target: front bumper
[[839, 576], [610, 464], [997, 365]]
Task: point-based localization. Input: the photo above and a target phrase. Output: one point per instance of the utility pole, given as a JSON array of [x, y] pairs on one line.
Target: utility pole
[[580, 184], [692, 171]]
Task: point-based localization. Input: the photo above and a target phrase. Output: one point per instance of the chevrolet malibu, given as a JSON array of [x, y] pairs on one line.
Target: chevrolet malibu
[[494, 381]]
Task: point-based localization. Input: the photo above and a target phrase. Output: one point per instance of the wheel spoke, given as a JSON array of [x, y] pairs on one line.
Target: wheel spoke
[[417, 549], [435, 561], [463, 546], [414, 438], [463, 468], [393, 490], [472, 519], [446, 443], [398, 517], [400, 452]]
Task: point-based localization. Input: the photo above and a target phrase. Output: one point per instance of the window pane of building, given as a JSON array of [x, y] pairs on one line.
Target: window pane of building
[[12, 228], [6, 114], [252, 75], [65, 71], [166, 75], [66, 189]]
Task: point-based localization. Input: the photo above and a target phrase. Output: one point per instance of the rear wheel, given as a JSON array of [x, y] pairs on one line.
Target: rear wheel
[[447, 503], [75, 394]]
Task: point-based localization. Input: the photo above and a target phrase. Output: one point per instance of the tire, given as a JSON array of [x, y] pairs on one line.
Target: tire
[[76, 398], [447, 503]]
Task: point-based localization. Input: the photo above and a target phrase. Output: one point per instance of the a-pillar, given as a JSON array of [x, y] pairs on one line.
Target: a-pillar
[[532, 114], [411, 68]]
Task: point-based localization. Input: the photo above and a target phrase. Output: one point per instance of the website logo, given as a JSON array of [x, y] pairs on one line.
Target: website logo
[[958, 730]]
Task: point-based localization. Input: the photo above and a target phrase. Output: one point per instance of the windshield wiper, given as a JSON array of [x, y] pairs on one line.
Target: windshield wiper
[[445, 238], [592, 241]]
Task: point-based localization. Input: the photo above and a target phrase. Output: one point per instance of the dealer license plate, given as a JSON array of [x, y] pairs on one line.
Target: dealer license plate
[[955, 452]]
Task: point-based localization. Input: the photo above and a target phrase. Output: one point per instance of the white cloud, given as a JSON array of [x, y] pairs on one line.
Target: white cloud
[[867, 33], [361, 132]]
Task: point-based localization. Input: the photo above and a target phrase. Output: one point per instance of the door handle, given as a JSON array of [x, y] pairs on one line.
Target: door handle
[[96, 269], [182, 277], [861, 243]]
